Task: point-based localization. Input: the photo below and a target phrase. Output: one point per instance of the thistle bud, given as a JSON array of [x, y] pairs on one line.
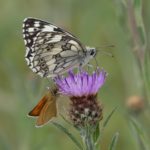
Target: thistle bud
[[85, 110], [135, 104]]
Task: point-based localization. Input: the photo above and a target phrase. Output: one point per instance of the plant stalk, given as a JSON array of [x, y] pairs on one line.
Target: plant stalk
[[87, 138]]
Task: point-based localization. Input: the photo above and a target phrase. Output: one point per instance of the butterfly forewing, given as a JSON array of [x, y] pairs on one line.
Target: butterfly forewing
[[46, 108], [38, 108], [48, 112], [49, 49]]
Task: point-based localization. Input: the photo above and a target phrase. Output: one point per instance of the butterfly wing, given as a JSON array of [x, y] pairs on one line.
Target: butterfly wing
[[48, 112], [50, 50], [38, 108], [46, 109]]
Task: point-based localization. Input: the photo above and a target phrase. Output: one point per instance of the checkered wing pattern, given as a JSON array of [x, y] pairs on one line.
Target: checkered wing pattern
[[50, 50]]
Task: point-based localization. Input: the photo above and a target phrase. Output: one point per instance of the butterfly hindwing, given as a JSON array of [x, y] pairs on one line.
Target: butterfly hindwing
[[53, 57], [49, 49]]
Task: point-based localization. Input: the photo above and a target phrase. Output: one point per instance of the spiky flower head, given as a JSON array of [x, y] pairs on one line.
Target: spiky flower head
[[82, 88]]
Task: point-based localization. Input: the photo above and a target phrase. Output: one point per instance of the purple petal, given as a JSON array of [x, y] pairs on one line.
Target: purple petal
[[82, 83]]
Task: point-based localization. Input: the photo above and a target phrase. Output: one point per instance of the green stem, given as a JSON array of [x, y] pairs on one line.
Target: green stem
[[87, 137]]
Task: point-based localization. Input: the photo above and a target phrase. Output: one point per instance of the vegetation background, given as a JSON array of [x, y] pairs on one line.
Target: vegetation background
[[96, 23]]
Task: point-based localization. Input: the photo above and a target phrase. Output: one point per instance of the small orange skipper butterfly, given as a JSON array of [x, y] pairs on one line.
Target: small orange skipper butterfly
[[46, 108]]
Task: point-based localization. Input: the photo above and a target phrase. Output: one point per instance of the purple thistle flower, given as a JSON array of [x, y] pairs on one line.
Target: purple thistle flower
[[85, 110], [81, 84], [82, 88]]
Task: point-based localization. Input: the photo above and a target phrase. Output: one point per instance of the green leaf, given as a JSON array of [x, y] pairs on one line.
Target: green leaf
[[59, 126], [96, 133], [147, 71], [114, 141], [139, 21], [108, 117], [140, 132], [120, 13]]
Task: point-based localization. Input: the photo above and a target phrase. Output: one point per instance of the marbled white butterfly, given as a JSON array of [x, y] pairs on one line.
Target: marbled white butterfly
[[50, 50]]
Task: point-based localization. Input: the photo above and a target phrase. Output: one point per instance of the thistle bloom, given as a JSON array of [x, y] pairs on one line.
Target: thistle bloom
[[82, 88]]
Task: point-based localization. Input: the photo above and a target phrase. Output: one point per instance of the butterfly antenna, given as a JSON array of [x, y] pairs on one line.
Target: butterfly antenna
[[104, 52], [105, 46]]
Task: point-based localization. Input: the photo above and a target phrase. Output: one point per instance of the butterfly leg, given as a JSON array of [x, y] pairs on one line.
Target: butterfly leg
[[96, 62], [89, 66], [80, 69]]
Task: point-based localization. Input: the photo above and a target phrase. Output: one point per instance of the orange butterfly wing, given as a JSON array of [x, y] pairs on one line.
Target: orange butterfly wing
[[38, 108], [48, 112], [46, 108]]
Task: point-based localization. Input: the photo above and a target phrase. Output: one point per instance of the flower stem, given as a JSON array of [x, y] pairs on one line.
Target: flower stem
[[87, 137]]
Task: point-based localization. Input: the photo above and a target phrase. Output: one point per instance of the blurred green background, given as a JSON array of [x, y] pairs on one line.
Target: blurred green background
[[95, 23]]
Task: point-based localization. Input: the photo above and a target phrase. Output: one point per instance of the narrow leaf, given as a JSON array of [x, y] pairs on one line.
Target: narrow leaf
[[147, 71], [59, 126], [108, 117], [96, 133], [139, 21], [121, 6], [141, 134], [114, 141]]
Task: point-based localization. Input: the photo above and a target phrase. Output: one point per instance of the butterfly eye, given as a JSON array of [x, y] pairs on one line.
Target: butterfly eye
[[92, 53]]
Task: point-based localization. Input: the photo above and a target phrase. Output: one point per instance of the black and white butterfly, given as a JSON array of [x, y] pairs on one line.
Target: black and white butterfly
[[50, 50]]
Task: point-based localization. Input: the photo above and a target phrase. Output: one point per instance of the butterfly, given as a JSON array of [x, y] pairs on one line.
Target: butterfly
[[51, 51], [46, 108]]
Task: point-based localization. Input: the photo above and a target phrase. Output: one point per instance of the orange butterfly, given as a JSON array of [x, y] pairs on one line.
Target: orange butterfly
[[46, 109]]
